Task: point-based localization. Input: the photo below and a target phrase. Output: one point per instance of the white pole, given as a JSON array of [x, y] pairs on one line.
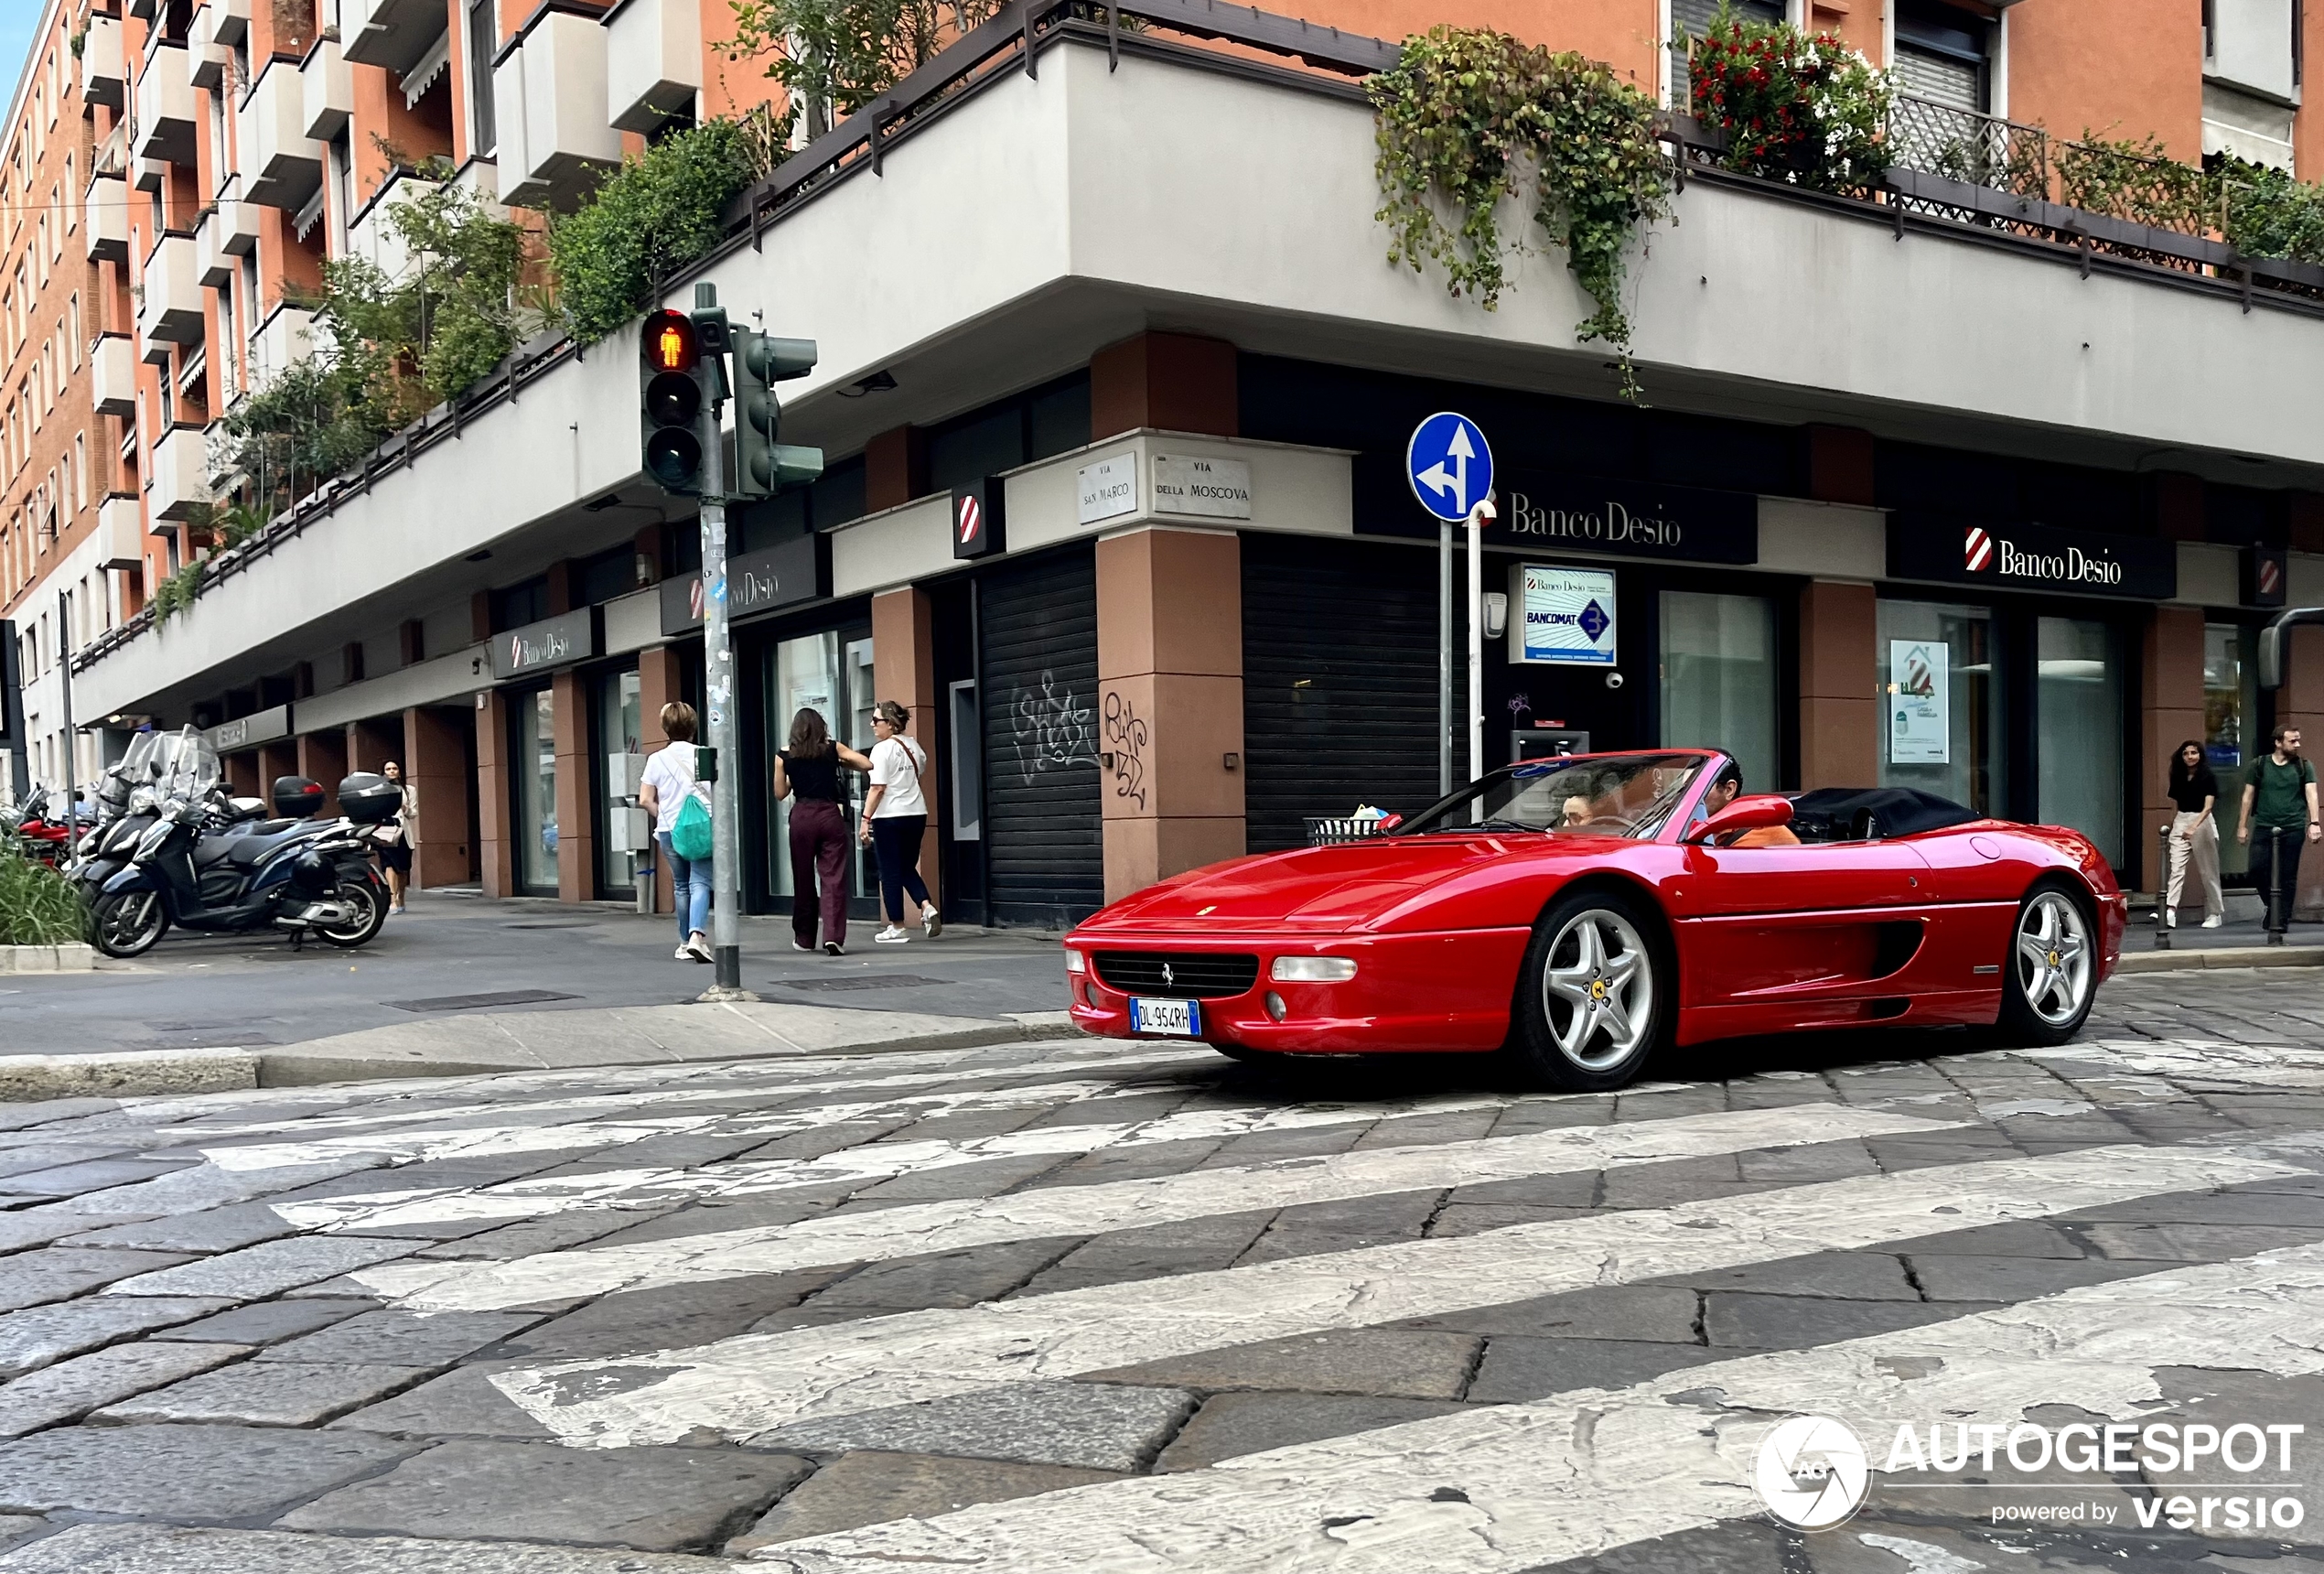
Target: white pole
[[1444, 658], [1477, 517]]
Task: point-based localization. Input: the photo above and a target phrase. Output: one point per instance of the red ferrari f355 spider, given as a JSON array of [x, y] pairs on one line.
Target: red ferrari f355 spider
[[1579, 913]]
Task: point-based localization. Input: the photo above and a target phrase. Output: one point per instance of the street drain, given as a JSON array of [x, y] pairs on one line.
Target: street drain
[[857, 981], [476, 1002]]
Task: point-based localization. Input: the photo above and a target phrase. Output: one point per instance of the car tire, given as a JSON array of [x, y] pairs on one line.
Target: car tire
[[1597, 995], [127, 924], [2050, 978]]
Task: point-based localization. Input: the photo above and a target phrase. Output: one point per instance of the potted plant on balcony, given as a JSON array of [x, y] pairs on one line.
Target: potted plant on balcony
[[1797, 107]]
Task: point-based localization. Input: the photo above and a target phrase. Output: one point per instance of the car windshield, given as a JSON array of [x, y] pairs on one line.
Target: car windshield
[[1627, 796]]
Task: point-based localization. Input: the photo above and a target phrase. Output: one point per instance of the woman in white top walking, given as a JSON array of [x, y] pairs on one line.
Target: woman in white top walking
[[669, 780], [895, 818]]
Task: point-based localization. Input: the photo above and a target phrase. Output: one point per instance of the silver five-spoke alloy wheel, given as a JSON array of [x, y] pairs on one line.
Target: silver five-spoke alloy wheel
[[1597, 990], [2053, 959]]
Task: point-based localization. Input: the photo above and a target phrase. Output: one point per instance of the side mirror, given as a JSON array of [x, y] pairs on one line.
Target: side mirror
[[1751, 813]]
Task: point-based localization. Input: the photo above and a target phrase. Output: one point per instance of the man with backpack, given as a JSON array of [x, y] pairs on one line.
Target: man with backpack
[[2279, 797], [681, 807]]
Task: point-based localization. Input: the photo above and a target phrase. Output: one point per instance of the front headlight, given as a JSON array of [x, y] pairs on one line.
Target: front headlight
[[1075, 962], [1313, 969]]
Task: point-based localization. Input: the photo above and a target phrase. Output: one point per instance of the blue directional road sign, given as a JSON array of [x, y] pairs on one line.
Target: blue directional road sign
[[1449, 464]]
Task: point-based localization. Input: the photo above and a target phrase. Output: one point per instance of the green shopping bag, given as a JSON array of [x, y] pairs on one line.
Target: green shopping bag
[[690, 836]]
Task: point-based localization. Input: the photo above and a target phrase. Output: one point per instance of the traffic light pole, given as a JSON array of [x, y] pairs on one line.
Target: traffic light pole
[[725, 722]]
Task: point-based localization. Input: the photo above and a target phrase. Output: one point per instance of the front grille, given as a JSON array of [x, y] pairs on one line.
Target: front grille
[[1182, 975]]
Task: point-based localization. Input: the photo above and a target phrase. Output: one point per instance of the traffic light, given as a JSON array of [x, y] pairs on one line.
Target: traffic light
[[671, 373], [764, 467]]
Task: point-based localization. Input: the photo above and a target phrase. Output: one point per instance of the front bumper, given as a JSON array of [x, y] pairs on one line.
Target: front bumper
[[1411, 992]]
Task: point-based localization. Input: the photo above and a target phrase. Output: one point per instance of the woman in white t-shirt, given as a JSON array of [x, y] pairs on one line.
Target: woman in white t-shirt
[[895, 818], [669, 778]]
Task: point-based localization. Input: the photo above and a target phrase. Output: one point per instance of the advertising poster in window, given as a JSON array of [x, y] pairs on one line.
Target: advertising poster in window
[[1567, 616], [1920, 702]]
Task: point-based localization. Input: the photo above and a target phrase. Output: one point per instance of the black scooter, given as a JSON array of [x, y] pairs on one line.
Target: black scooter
[[289, 874]]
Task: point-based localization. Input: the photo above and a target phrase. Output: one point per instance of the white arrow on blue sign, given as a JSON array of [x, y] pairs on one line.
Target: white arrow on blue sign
[[1449, 464]]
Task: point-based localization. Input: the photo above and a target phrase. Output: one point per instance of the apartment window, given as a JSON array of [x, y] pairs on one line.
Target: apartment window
[[57, 230], [1942, 55], [484, 37], [230, 366], [72, 327], [72, 193], [41, 250], [342, 190], [81, 470]]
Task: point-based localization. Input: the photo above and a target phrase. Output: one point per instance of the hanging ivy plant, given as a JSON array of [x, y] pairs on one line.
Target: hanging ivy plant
[[1468, 116]]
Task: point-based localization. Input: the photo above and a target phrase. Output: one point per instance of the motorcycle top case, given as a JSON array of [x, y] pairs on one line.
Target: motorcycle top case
[[295, 797], [368, 798]]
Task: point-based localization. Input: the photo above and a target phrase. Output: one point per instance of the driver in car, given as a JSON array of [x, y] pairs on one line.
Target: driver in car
[[1725, 791]]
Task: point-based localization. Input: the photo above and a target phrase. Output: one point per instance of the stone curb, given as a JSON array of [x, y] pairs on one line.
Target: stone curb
[[2222, 956], [127, 1075], [287, 1067], [68, 958]]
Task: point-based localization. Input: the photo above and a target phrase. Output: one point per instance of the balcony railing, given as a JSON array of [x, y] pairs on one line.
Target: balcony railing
[[114, 375], [106, 225], [171, 309], [179, 488], [102, 81]]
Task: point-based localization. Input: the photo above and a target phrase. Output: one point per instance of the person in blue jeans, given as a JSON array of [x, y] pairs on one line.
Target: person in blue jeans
[[669, 778]]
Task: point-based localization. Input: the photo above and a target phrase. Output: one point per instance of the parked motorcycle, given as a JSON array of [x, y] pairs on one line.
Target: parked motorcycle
[[43, 839], [185, 867]]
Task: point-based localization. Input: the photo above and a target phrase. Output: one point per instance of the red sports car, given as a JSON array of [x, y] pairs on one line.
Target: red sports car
[[1579, 913]]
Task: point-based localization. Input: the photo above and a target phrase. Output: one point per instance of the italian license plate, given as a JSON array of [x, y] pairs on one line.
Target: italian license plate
[[1170, 1018]]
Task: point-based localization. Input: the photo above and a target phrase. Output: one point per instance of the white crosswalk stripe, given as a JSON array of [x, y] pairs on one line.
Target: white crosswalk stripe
[[745, 1387], [1067, 1211], [1508, 1488]]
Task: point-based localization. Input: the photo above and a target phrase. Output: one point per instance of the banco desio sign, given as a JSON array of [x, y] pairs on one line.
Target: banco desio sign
[[797, 570], [1626, 519], [2031, 558], [557, 641]]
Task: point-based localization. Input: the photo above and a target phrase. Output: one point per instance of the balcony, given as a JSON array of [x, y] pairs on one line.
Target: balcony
[[107, 220], [396, 34], [551, 94], [653, 61], [229, 20], [327, 90], [120, 534], [165, 107], [236, 221], [281, 343], [113, 376], [171, 309], [213, 265], [178, 468], [101, 78], [281, 166], [372, 235]]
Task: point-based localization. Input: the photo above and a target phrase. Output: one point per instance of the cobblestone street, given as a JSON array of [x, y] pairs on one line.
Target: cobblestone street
[[1058, 1305]]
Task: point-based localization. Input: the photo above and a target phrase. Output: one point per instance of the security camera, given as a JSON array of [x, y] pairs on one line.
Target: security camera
[[1613, 680]]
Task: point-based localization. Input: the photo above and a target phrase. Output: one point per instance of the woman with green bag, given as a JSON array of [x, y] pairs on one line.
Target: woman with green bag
[[681, 807]]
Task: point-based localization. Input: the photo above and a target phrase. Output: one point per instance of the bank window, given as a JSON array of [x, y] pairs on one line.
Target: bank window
[[1718, 679], [536, 785], [829, 673], [2230, 727], [2078, 712], [1940, 690]]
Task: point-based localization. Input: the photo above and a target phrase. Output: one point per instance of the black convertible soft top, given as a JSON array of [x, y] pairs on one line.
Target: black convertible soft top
[[1860, 814]]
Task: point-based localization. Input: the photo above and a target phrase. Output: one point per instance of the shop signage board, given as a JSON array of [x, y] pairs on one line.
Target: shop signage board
[[756, 582], [2031, 558], [270, 725], [980, 516], [1631, 519], [557, 641], [1565, 616], [1449, 465], [1202, 487], [1920, 702], [1108, 489]]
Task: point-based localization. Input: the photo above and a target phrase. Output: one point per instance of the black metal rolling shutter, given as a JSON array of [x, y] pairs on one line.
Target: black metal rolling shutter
[[1339, 682], [1044, 839]]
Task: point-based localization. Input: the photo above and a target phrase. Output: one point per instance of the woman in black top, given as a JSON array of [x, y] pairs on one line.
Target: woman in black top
[[808, 773], [2194, 834]]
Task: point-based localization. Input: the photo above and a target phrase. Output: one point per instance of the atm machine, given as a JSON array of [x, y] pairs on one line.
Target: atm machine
[[1546, 742]]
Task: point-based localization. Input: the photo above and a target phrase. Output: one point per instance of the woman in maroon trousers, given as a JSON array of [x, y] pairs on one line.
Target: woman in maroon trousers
[[807, 772]]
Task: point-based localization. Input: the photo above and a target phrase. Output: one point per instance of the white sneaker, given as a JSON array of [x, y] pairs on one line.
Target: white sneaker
[[698, 948], [2213, 921], [685, 953], [798, 944], [892, 935], [833, 948], [2170, 919], [931, 919]]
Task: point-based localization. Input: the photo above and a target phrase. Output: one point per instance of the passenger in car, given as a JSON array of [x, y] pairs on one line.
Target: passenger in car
[[1724, 790]]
